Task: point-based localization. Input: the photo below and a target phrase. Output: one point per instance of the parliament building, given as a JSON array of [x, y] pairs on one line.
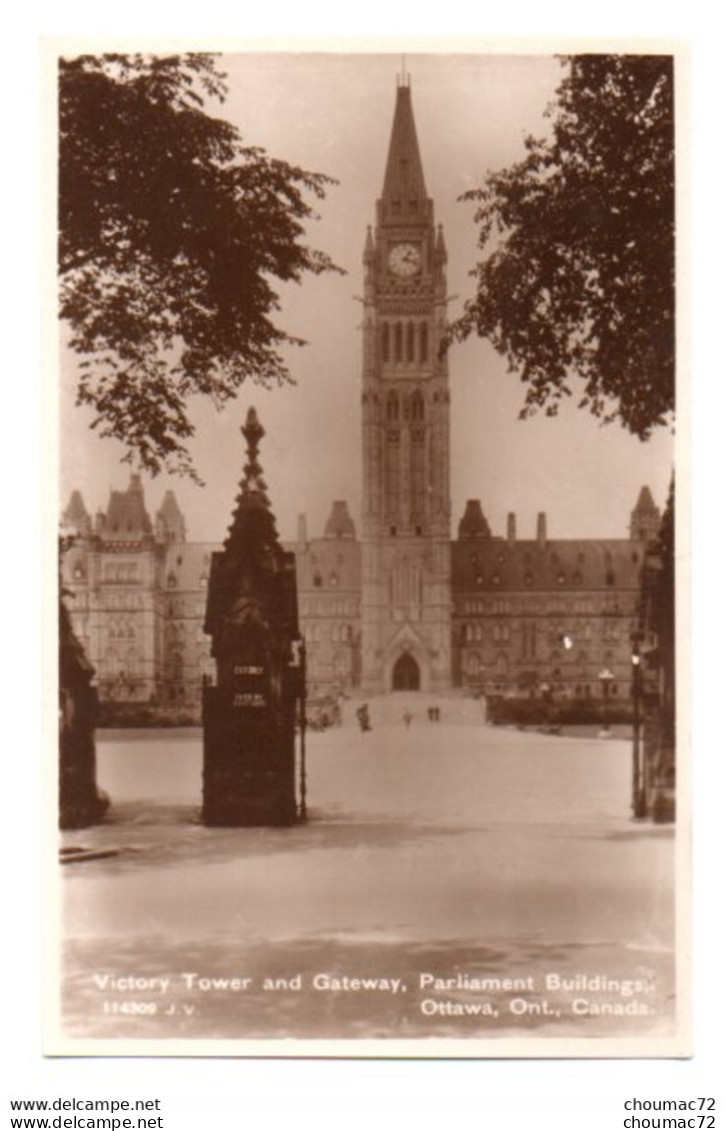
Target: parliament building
[[393, 602]]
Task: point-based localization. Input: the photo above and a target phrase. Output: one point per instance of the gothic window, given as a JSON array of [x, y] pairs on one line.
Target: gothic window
[[317, 579], [392, 407], [501, 664], [386, 342], [417, 405], [398, 342], [333, 579], [392, 473], [473, 663], [418, 463], [410, 347], [423, 342]]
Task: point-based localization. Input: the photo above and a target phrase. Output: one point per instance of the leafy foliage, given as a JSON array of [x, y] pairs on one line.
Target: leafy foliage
[[578, 279], [171, 235]]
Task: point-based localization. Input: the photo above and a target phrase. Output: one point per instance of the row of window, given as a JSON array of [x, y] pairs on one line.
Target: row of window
[[611, 630], [344, 607], [121, 571], [529, 579], [118, 629], [404, 342], [475, 666], [405, 407], [338, 633]]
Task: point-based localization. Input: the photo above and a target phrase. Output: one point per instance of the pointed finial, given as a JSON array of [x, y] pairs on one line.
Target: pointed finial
[[252, 431]]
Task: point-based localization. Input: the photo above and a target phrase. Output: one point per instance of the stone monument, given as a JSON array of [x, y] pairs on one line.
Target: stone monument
[[249, 714]]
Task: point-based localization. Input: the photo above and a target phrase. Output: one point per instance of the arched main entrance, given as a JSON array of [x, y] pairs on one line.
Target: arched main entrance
[[406, 674]]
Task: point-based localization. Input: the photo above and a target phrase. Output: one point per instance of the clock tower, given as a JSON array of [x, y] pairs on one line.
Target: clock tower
[[406, 554]]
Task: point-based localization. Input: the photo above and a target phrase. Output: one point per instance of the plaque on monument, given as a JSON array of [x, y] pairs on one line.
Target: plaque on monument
[[249, 713]]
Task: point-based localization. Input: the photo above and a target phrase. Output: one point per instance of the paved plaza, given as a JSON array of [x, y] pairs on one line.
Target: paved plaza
[[453, 880]]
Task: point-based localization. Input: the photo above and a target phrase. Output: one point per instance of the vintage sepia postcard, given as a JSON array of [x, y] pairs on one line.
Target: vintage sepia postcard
[[370, 737]]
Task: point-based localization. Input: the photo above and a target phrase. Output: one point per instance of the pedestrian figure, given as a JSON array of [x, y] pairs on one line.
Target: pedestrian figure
[[407, 716], [363, 716]]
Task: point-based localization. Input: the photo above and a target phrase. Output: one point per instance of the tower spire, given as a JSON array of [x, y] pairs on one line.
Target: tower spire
[[404, 198]]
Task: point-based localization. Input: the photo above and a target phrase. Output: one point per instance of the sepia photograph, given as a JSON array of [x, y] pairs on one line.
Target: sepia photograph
[[370, 736]]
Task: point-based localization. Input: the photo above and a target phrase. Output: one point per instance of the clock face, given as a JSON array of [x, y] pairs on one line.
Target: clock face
[[404, 259]]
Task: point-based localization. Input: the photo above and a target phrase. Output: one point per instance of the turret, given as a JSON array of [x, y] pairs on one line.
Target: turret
[[473, 524], [644, 518], [126, 515], [339, 524], [75, 517], [169, 525]]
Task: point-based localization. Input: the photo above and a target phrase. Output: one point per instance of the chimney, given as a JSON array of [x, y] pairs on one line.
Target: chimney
[[302, 533], [511, 528], [541, 530]]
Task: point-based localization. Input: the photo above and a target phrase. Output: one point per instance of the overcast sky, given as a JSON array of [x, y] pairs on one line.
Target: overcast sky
[[332, 113]]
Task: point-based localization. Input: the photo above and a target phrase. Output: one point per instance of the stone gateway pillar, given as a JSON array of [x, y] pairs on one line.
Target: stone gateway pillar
[[249, 714]]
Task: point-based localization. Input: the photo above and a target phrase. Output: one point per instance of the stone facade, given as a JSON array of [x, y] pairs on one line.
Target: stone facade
[[523, 610]]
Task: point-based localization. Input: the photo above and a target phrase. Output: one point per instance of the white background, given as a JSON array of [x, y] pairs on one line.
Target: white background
[[324, 1095]]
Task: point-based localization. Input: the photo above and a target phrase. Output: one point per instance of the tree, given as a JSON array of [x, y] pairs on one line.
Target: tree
[[577, 285], [171, 236]]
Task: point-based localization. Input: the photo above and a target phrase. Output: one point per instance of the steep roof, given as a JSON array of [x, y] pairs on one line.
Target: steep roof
[[404, 190], [75, 513], [645, 503], [169, 508], [473, 524], [340, 524], [126, 515], [495, 565]]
